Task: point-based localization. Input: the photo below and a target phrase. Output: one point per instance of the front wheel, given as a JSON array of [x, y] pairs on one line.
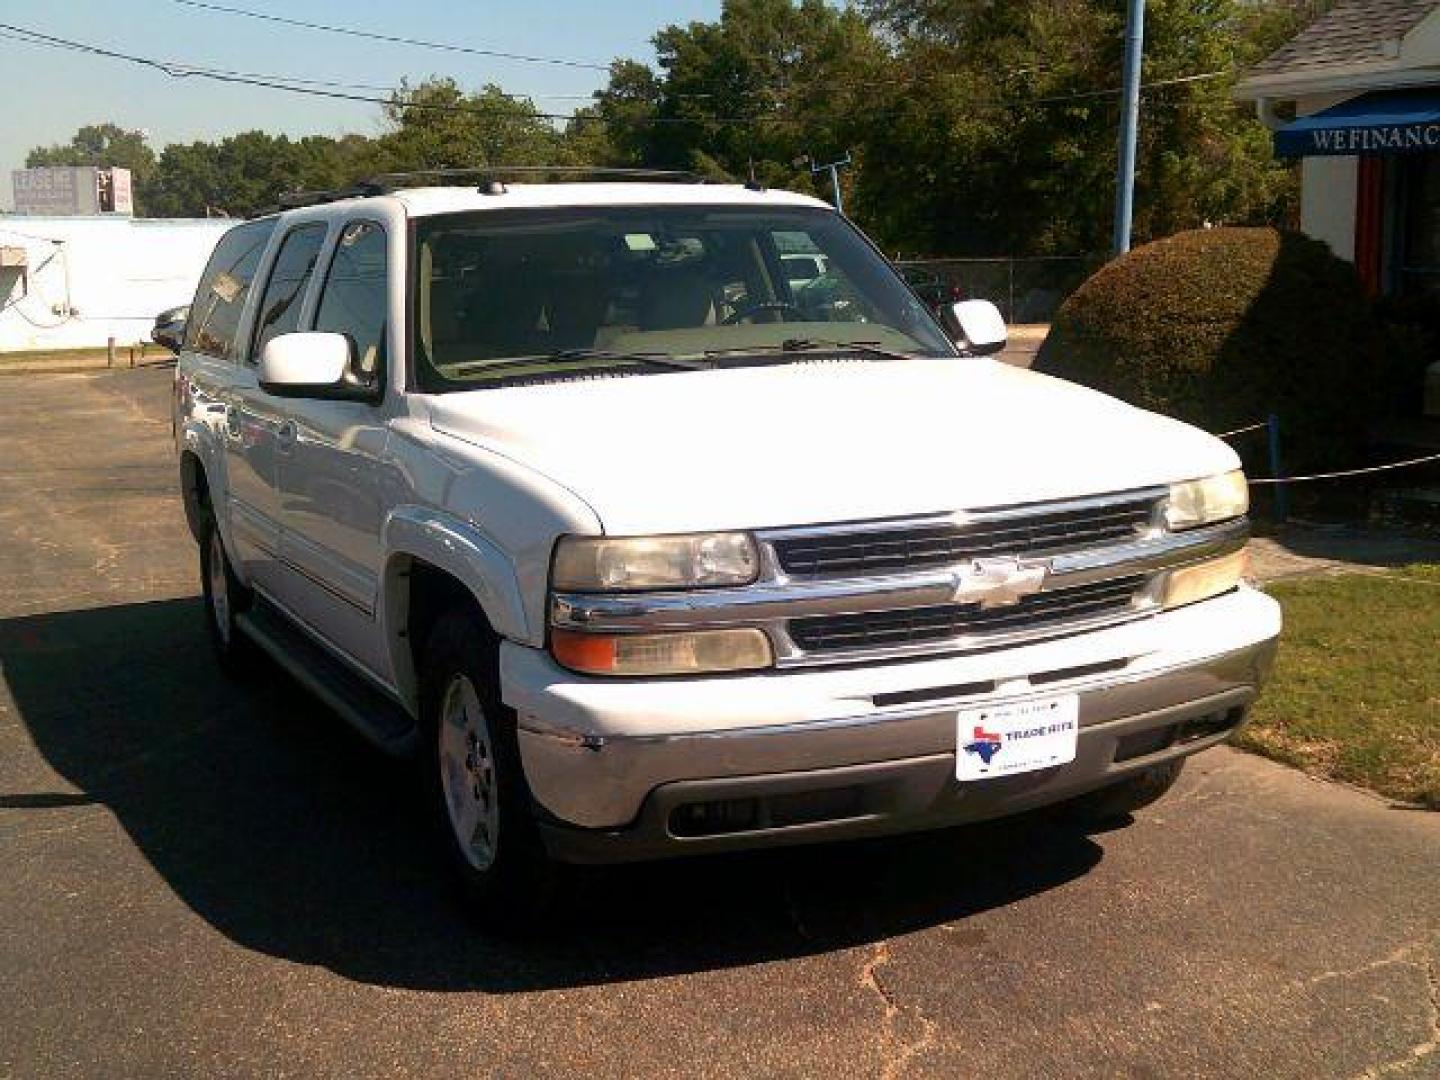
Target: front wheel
[[475, 786]]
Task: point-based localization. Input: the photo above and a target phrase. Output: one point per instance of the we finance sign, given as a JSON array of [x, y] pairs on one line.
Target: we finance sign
[[1397, 139], [1385, 122]]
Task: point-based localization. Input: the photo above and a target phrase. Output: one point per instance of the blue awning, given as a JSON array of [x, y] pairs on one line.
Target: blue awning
[[1389, 122]]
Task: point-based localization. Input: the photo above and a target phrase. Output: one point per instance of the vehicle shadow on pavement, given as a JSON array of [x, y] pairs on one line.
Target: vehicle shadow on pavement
[[290, 836]]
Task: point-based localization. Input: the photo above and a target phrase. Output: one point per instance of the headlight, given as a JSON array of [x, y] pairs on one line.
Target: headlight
[[1201, 502], [1191, 584], [662, 654], [623, 564]]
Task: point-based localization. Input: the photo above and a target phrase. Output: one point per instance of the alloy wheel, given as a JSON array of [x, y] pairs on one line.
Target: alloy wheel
[[467, 773]]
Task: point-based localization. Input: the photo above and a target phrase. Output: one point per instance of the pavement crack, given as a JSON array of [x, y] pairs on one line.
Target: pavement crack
[[1432, 980], [901, 1051], [1420, 1052], [1403, 956], [879, 956]]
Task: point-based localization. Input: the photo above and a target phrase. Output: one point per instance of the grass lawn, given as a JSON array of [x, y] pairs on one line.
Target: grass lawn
[[59, 354], [1356, 691], [78, 359]]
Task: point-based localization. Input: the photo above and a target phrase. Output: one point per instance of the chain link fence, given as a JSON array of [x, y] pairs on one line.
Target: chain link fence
[[1026, 290]]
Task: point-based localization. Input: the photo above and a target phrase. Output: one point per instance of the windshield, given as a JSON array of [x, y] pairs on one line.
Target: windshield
[[505, 295]]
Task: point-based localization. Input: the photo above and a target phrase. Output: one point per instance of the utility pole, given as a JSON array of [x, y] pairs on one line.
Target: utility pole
[[833, 168], [1129, 125]]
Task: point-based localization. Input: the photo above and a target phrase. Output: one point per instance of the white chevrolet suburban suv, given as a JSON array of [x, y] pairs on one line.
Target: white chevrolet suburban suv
[[643, 545]]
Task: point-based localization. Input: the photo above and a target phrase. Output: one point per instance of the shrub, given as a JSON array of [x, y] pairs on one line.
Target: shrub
[[1411, 325], [1221, 327]]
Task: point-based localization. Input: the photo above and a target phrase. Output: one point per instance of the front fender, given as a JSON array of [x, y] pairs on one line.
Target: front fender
[[456, 548], [463, 552]]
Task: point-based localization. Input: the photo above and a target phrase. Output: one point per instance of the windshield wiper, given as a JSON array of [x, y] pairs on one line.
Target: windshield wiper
[[801, 345], [654, 359]]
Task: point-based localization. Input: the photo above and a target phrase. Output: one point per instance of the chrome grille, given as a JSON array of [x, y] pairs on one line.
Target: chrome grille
[[916, 546], [943, 622]]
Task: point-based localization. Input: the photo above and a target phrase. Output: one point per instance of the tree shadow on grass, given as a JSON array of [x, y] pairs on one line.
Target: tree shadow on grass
[[287, 834], [1361, 546]]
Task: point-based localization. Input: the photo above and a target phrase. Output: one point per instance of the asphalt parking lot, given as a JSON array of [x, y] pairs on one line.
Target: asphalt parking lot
[[205, 878]]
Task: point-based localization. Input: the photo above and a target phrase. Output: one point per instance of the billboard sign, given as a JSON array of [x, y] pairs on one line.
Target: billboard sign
[[73, 191]]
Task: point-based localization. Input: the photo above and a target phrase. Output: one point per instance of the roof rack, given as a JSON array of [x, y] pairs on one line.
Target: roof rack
[[291, 200], [498, 173], [489, 180]]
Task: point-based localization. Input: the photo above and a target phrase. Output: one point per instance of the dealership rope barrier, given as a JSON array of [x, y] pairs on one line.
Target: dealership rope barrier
[[1272, 424], [1243, 430], [1279, 483], [1347, 472]]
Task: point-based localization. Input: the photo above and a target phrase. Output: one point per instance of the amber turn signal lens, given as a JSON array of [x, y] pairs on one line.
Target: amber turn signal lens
[[583, 652]]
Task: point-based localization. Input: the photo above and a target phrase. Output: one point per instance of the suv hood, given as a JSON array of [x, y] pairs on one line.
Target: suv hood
[[825, 441]]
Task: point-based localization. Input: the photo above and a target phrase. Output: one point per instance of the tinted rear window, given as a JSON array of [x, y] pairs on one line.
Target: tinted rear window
[[215, 313], [284, 292]]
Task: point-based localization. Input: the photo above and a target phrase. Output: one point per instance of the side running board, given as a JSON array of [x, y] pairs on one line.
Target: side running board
[[378, 718]]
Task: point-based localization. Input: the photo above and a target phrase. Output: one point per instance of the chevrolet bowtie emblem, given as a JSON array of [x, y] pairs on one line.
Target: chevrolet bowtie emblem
[[993, 583]]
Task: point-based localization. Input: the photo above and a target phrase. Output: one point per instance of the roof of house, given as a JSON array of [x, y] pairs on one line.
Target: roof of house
[[1352, 32]]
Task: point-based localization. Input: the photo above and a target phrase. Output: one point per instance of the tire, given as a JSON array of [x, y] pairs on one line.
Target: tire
[[475, 791], [1114, 803], [225, 598]]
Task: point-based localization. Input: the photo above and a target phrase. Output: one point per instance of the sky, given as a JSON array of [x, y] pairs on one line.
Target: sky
[[50, 93]]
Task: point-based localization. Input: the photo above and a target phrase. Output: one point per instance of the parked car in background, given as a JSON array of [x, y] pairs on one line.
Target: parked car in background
[[640, 549], [935, 289], [801, 269], [169, 327]]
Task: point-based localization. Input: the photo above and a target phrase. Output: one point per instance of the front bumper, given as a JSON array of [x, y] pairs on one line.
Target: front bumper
[[619, 768]]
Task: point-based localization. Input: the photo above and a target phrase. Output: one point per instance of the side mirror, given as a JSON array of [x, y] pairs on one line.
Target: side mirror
[[308, 365], [976, 326], [169, 328]]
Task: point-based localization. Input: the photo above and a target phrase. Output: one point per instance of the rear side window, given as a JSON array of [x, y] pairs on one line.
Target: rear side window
[[285, 291], [215, 313], [355, 299]]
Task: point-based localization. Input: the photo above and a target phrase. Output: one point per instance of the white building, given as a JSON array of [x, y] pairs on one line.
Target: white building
[[1363, 82], [74, 282]]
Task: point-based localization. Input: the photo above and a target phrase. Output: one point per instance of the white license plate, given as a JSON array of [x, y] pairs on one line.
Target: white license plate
[[1016, 737]]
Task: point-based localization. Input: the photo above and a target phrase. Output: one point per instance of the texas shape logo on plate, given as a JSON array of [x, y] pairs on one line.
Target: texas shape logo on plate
[[985, 744]]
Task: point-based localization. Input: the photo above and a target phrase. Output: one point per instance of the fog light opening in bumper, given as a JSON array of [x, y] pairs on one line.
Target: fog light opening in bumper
[[1144, 743], [722, 817], [1202, 727]]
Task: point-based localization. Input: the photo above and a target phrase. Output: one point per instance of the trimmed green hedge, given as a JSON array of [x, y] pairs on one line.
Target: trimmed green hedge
[[1220, 327]]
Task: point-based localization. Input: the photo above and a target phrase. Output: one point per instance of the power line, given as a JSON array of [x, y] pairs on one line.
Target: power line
[[343, 92], [1115, 91], [182, 68], [338, 90], [394, 39]]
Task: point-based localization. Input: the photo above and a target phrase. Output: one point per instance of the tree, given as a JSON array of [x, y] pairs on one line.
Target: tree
[[976, 127], [771, 81], [432, 124], [106, 145], [615, 130], [247, 173], [435, 124], [1002, 129]]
